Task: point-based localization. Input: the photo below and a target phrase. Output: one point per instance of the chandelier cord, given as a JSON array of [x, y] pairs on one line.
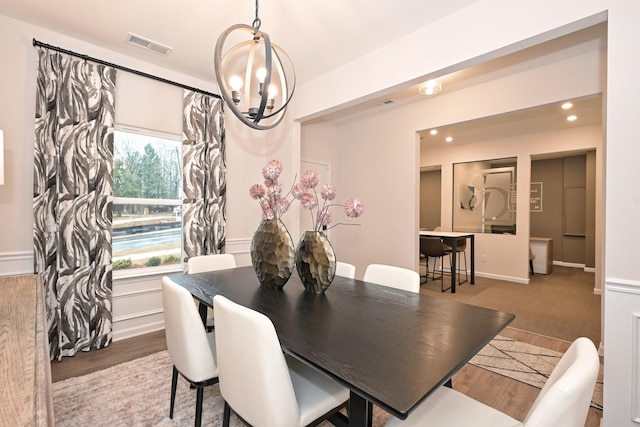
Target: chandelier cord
[[256, 22]]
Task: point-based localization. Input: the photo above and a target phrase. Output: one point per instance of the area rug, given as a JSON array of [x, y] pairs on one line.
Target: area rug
[[526, 363], [137, 393]]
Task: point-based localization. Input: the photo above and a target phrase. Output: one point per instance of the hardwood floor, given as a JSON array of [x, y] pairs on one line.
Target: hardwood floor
[[118, 352], [558, 308]]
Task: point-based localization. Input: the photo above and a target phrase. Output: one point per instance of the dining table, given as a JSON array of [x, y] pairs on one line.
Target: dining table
[[453, 236], [389, 347]]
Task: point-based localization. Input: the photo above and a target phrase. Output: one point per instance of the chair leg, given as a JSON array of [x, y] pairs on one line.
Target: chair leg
[[531, 266], [199, 396], [442, 273], [226, 414], [466, 274], [174, 384]]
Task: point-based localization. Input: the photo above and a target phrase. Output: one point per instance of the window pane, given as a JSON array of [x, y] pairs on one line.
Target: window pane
[[146, 235], [146, 166], [147, 209]]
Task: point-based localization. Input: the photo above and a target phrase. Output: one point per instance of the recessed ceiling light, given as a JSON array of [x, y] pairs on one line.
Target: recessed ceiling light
[[572, 118], [567, 105], [430, 87], [433, 131], [448, 139]]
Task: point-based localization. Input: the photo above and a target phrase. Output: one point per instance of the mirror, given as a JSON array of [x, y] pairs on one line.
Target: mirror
[[484, 199]]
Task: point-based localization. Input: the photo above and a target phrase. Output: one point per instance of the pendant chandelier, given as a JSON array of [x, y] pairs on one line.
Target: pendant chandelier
[[256, 77]]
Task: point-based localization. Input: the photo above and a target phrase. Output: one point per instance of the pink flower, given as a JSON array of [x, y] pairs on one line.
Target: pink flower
[[353, 208], [328, 192], [282, 205], [274, 191], [324, 217], [256, 191], [267, 212], [272, 170], [298, 191], [308, 201], [310, 179]]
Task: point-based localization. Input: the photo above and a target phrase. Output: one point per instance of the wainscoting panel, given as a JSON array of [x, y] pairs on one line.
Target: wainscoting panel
[[635, 369], [137, 301], [622, 351]]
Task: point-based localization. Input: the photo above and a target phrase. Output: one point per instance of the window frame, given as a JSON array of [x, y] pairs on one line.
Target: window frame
[[160, 269]]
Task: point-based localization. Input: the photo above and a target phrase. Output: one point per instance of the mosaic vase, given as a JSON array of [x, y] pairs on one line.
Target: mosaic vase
[[272, 253], [315, 261]]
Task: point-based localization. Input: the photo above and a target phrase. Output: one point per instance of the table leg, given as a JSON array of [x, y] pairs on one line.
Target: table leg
[[202, 309], [360, 411], [473, 259], [454, 271]]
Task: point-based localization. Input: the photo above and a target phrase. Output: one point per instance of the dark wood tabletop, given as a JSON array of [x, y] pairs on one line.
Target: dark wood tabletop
[[389, 347]]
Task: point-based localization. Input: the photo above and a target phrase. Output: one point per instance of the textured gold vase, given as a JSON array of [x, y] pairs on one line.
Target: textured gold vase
[[315, 261], [272, 253]]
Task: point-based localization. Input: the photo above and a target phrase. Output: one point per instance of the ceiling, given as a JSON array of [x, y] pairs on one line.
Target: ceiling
[[332, 32]]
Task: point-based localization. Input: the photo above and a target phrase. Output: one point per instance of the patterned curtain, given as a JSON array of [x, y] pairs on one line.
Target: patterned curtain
[[72, 197], [204, 175]]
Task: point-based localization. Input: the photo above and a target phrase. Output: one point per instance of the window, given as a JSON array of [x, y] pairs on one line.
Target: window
[[147, 208]]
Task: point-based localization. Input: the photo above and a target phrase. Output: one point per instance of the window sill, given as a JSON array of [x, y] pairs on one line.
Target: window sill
[[148, 271]]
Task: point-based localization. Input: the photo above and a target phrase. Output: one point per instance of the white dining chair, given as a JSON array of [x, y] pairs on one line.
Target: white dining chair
[[212, 262], [563, 401], [258, 383], [392, 276], [191, 348], [346, 270]]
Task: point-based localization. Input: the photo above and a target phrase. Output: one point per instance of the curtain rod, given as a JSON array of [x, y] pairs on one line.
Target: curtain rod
[[120, 67]]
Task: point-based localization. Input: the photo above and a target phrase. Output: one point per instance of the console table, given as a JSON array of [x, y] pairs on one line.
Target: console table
[[26, 395]]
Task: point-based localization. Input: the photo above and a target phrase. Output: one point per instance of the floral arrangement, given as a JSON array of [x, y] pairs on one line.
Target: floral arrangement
[[274, 204], [305, 191], [269, 195]]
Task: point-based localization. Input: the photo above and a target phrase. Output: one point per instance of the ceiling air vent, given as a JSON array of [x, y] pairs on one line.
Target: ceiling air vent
[[144, 43], [385, 102]]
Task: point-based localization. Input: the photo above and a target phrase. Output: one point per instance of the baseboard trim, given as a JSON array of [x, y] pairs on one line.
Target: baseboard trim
[[570, 264], [16, 263], [136, 331], [504, 278]]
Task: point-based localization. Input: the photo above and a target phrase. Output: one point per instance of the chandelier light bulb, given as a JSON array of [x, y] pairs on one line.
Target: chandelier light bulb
[[235, 82], [261, 74], [273, 91]]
